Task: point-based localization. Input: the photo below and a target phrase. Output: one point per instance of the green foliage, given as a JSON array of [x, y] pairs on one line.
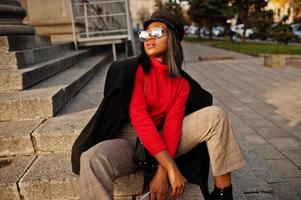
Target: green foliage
[[261, 22], [210, 12], [252, 14], [282, 32], [250, 48], [175, 8]]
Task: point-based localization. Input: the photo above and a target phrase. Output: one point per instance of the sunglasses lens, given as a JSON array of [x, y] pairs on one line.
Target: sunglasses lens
[[156, 32], [143, 36]]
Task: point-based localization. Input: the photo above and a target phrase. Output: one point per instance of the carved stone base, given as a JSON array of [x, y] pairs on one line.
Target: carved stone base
[[11, 17], [275, 61]]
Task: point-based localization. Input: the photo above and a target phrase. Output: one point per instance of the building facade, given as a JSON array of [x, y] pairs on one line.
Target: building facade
[[53, 17], [281, 8]]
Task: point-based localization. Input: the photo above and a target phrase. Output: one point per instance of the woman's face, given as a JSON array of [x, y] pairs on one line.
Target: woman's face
[[155, 48]]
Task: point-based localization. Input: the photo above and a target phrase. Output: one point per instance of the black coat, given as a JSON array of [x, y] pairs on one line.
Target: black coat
[[112, 114]]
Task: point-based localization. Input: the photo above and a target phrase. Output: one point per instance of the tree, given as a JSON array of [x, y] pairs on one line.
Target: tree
[[261, 21], [282, 32], [247, 12], [174, 7], [143, 14], [210, 13]]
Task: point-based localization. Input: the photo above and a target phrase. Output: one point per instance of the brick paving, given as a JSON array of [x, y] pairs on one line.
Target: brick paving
[[294, 62], [264, 106]]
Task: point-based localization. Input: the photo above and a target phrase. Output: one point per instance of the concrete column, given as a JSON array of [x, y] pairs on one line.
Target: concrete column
[[11, 17]]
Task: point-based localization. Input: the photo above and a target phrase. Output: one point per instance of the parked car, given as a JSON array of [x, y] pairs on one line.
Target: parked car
[[218, 31], [297, 30], [193, 30], [204, 31], [239, 30]]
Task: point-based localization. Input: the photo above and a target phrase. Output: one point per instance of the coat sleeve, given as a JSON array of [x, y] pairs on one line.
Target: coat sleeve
[[198, 98], [108, 81]]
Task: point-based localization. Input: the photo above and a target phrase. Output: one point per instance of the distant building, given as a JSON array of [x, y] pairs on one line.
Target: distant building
[[296, 11], [282, 8], [141, 10], [53, 17]]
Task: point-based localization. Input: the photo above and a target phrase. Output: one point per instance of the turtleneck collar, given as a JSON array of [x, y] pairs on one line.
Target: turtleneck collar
[[156, 63]]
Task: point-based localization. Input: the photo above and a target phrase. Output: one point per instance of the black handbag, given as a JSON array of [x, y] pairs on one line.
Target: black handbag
[[143, 159]]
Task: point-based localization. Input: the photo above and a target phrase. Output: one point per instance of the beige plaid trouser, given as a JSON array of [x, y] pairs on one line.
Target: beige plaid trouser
[[110, 159]]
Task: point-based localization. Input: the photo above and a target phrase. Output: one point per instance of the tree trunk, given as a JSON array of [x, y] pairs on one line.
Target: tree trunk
[[245, 16], [244, 34], [210, 32], [199, 30]]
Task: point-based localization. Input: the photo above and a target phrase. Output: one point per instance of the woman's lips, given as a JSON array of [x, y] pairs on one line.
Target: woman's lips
[[150, 45]]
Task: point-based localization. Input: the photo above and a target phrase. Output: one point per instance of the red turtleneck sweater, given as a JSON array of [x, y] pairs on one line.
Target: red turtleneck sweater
[[163, 97]]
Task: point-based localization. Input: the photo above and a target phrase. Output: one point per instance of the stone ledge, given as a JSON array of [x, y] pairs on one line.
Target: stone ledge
[[20, 79], [46, 98], [130, 185], [59, 133], [50, 177], [275, 60], [11, 169], [23, 42], [213, 58], [15, 137], [30, 105], [192, 192], [21, 59]]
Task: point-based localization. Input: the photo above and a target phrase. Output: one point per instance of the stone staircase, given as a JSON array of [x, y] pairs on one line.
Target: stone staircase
[[48, 93]]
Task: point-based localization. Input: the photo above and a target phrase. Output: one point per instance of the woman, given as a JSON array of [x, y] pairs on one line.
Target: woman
[[160, 111]]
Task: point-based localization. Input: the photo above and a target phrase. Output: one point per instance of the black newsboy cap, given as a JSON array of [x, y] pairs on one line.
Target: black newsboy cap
[[170, 19]]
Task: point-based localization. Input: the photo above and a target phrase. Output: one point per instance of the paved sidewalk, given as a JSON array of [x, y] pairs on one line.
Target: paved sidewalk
[[264, 106], [294, 62]]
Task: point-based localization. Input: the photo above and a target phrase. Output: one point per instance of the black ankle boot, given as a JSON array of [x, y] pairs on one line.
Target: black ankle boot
[[224, 194]]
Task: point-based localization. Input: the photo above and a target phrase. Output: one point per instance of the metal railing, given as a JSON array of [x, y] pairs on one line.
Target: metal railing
[[100, 22]]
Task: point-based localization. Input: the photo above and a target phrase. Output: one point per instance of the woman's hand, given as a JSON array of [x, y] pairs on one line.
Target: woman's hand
[[176, 179], [159, 185]]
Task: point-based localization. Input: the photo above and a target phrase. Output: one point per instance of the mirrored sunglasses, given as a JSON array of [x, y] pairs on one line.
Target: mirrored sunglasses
[[155, 33]]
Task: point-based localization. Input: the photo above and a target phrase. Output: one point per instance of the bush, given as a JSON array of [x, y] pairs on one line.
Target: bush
[[282, 33]]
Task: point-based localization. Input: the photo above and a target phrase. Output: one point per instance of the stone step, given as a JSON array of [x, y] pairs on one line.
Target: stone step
[[42, 176], [11, 170], [57, 134], [23, 42], [15, 137], [21, 59], [20, 79], [49, 176], [45, 99]]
